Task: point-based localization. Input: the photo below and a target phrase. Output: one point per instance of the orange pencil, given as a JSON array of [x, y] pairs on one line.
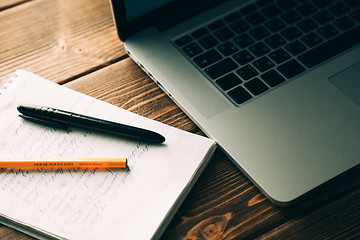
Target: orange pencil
[[64, 163]]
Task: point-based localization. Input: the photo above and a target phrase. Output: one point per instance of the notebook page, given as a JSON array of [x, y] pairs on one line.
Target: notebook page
[[85, 203]]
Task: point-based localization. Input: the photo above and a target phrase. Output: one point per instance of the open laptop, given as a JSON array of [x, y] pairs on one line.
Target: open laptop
[[275, 83]]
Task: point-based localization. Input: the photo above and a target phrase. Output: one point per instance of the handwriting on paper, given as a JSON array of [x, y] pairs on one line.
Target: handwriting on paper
[[37, 140], [59, 192], [76, 203]]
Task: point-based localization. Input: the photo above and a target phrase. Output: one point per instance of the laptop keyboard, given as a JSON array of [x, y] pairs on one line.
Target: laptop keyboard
[[254, 49]]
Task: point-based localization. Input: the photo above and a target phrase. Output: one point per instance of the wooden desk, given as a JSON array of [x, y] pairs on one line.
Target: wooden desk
[[74, 43]]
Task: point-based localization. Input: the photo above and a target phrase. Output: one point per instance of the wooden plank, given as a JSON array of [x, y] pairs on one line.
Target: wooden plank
[[5, 4], [59, 40]]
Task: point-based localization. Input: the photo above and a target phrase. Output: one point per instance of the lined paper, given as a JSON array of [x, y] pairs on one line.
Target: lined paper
[[88, 203]]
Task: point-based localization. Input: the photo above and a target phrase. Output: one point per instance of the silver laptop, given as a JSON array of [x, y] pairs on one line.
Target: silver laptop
[[275, 83]]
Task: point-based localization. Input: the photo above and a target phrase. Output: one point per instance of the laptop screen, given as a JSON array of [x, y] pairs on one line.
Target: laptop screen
[[132, 16], [137, 8]]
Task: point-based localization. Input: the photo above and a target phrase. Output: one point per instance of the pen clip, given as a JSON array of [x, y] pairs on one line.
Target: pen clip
[[44, 122]]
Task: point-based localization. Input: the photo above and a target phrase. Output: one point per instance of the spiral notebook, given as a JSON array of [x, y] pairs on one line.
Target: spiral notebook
[[134, 203]]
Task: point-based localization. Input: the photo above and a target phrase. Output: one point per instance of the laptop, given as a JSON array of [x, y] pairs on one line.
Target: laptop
[[275, 83]]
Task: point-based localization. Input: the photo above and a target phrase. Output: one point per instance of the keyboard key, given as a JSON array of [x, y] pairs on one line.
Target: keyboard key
[[259, 49], [228, 81], [290, 17], [221, 68], [207, 58], [192, 49], [344, 23], [323, 17], [272, 78], [224, 34], [259, 33], [275, 41], [183, 41], [279, 56], [247, 72], [255, 19], [271, 11], [312, 39], [306, 9], [208, 42], [200, 33], [227, 48], [275, 25], [291, 68], [339, 9], [239, 95], [291, 33], [216, 25], [243, 57], [331, 48], [295, 47], [307, 25], [328, 31], [256, 86], [239, 26], [263, 64], [243, 41]]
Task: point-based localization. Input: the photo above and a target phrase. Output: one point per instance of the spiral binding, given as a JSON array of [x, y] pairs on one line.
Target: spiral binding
[[6, 82]]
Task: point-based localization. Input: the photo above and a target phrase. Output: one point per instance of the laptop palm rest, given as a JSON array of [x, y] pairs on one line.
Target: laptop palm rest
[[348, 82]]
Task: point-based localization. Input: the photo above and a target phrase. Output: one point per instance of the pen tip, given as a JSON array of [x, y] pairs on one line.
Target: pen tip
[[159, 139], [152, 137], [21, 108]]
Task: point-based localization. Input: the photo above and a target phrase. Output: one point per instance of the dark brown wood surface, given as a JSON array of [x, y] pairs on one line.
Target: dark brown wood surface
[[74, 43]]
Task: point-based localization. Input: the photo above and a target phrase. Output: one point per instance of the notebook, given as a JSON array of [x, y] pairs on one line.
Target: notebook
[[134, 203], [275, 83]]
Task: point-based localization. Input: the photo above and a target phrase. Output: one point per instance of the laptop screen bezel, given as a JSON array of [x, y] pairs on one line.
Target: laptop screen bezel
[[161, 18]]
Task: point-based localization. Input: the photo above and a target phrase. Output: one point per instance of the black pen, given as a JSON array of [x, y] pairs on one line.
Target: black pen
[[66, 118]]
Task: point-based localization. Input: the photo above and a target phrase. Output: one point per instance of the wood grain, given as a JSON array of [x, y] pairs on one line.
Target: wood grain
[[58, 39], [75, 43]]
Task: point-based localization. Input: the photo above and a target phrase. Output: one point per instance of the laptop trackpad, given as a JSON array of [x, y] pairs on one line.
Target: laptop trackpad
[[348, 81]]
